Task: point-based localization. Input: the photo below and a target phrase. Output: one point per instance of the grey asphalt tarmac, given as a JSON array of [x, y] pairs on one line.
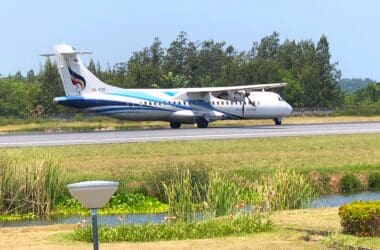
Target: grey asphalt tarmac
[[128, 136]]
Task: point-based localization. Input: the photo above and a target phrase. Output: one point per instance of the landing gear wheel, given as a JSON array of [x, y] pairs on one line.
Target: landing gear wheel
[[277, 121], [202, 123], [175, 124]]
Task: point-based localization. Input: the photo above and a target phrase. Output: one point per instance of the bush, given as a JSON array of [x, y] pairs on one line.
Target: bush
[[350, 184], [374, 181], [361, 218], [218, 227]]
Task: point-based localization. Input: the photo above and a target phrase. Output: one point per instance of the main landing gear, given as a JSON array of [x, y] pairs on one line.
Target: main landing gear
[[175, 124], [277, 121], [202, 123]]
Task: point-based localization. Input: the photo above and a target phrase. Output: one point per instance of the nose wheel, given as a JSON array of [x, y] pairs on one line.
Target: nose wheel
[[277, 121]]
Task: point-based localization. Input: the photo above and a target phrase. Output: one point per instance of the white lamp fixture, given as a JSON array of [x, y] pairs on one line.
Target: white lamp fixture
[[93, 195]]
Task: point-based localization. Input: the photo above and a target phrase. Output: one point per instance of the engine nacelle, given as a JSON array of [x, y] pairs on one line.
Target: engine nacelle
[[236, 96]]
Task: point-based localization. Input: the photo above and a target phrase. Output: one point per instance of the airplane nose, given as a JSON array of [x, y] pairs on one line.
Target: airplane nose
[[289, 108]]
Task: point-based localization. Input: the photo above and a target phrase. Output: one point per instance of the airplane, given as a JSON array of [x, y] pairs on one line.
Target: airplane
[[177, 106]]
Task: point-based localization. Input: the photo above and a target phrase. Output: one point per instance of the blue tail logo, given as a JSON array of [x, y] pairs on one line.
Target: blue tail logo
[[77, 80]]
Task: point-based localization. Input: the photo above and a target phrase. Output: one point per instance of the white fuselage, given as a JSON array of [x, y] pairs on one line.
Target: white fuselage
[[158, 104], [187, 105]]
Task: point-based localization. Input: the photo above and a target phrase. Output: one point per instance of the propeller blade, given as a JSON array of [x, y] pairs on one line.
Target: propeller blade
[[242, 109], [251, 102]]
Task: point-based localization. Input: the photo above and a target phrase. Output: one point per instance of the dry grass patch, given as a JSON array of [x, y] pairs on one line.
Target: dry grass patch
[[323, 219]]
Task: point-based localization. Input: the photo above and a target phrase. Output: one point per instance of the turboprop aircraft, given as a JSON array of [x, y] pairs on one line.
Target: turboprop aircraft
[[177, 106]]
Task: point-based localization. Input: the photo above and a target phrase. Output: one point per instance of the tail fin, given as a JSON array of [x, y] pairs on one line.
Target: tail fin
[[76, 78]]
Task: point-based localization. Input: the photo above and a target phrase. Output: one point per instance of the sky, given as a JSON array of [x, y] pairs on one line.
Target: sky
[[114, 29]]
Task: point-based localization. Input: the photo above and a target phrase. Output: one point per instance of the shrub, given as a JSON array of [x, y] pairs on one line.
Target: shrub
[[349, 183], [361, 218], [374, 181], [285, 190], [217, 227]]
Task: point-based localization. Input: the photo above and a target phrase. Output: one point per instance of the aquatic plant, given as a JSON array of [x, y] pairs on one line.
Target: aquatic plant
[[285, 190], [223, 194], [374, 181], [182, 195], [349, 183], [30, 186]]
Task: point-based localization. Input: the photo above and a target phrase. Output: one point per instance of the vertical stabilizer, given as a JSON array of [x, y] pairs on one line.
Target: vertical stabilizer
[[76, 78]]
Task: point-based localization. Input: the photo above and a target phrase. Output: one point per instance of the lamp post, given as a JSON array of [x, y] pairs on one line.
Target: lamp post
[[93, 195]]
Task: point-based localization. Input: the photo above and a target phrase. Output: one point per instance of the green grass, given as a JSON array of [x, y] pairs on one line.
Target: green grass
[[247, 157]]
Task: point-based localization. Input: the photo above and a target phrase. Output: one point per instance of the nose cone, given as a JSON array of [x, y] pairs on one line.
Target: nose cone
[[289, 108]]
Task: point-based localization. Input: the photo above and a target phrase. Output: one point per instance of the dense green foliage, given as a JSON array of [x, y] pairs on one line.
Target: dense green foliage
[[211, 228], [305, 65], [120, 203], [349, 183], [374, 181], [365, 101], [361, 218], [354, 84]]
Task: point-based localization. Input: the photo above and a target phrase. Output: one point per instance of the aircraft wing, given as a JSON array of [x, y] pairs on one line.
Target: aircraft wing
[[230, 90]]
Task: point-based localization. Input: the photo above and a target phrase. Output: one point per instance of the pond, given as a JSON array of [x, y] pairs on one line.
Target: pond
[[333, 200]]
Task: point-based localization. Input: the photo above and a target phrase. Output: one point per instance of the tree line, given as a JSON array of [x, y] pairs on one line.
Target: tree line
[[305, 65]]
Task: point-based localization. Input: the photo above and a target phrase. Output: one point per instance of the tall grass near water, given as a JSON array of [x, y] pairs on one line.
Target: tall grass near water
[[285, 190], [219, 195], [182, 195], [30, 184]]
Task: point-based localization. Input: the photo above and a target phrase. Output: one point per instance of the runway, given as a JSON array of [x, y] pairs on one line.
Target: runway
[[129, 136]]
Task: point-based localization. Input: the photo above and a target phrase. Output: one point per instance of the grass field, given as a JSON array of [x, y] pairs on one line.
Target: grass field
[[101, 123], [292, 232], [246, 157]]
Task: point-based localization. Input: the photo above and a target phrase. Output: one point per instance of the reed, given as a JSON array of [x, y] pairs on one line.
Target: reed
[[285, 190], [223, 194], [182, 194], [30, 186]]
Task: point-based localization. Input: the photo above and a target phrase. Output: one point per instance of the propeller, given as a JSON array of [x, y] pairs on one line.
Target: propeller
[[246, 95]]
